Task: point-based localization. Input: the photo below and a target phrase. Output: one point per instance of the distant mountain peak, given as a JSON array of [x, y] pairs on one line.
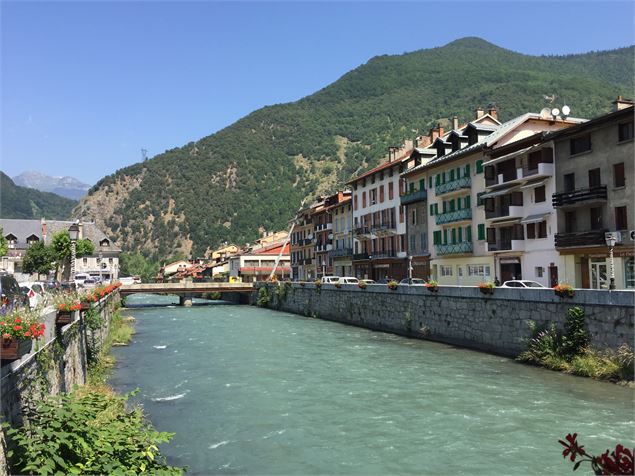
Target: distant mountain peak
[[66, 186]]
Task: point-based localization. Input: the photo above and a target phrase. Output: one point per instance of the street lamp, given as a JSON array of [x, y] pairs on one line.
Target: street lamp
[[611, 239], [100, 257], [73, 233], [409, 269]]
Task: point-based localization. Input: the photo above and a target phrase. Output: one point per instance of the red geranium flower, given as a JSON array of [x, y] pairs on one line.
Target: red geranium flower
[[572, 448]]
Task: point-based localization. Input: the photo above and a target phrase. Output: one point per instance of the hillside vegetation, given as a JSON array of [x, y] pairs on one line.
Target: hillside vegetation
[[28, 203], [254, 173]]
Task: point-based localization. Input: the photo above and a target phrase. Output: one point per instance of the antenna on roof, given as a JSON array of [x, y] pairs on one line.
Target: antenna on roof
[[144, 154], [545, 113]]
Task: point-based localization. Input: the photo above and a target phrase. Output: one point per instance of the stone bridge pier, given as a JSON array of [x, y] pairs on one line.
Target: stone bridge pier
[[185, 300]]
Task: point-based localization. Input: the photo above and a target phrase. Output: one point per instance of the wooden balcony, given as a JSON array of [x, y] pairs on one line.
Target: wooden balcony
[[581, 238], [592, 194]]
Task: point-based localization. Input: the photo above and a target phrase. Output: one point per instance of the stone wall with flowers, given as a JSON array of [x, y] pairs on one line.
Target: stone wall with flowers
[[460, 315]]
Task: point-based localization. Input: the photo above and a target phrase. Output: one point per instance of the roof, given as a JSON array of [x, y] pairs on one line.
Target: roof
[[22, 229], [385, 165], [273, 250], [627, 111]]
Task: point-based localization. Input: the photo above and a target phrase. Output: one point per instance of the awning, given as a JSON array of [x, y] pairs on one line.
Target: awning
[[534, 218], [503, 223], [534, 184], [509, 156], [497, 193]]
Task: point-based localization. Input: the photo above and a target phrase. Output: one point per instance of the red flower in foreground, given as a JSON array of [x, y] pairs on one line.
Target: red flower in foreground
[[572, 448], [620, 461]]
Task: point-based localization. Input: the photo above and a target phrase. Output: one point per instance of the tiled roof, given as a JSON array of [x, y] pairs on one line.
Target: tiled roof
[[383, 166]]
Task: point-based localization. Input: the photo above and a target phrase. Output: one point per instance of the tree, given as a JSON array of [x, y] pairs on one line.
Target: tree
[[135, 264], [4, 247], [61, 248], [38, 259]]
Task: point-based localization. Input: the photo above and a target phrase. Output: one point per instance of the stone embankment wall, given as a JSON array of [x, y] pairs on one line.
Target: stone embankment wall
[[461, 316], [59, 363]]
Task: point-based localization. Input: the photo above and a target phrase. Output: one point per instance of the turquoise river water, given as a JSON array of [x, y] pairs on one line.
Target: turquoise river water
[[254, 391]]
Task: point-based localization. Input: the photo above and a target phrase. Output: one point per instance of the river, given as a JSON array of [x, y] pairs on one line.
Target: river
[[254, 391]]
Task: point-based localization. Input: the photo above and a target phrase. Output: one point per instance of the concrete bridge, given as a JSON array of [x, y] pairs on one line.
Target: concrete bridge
[[186, 290]]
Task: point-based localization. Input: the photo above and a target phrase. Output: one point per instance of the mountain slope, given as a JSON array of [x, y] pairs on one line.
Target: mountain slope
[[68, 187], [255, 172], [23, 202]]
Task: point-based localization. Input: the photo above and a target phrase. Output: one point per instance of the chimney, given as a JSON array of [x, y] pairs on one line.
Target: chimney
[[434, 133], [340, 196], [43, 224], [441, 130], [621, 103], [407, 144], [455, 123], [478, 112], [493, 111]]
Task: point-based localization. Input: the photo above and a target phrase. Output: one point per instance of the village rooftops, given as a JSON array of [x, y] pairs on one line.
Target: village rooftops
[[386, 165]]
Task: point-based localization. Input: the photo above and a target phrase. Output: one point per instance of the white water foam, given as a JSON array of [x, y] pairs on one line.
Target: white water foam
[[273, 433], [170, 398], [216, 445], [159, 346]]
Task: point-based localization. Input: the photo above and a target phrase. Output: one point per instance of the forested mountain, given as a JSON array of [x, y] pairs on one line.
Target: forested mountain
[[255, 172], [68, 187], [23, 202]]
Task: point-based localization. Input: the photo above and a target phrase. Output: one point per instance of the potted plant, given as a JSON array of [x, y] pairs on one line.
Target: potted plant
[[487, 288], [87, 299], [564, 290], [18, 330], [432, 286], [362, 285], [66, 303], [318, 284], [392, 284]]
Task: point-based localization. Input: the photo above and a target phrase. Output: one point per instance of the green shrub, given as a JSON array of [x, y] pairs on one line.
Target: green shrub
[[86, 432], [576, 337], [263, 297]]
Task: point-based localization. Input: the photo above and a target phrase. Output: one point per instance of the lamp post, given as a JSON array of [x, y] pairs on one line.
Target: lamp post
[[409, 269], [100, 258], [73, 233], [611, 239]]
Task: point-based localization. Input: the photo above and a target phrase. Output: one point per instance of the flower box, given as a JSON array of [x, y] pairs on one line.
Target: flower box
[[486, 290], [13, 349], [85, 306], [432, 288], [63, 318], [564, 290]]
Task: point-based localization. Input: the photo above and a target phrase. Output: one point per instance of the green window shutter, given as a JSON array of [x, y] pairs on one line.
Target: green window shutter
[[445, 207], [452, 205], [430, 181], [481, 231], [422, 184], [454, 236], [411, 187], [479, 200], [468, 233], [468, 202], [467, 170], [458, 204], [443, 177], [460, 234], [437, 237], [431, 209], [458, 173], [437, 179], [451, 175], [436, 208], [479, 166], [445, 236]]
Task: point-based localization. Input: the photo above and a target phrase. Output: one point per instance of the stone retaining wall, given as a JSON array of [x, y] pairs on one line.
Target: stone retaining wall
[[55, 367], [461, 315]]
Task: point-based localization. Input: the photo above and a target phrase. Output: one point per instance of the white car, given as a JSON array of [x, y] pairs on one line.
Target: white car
[[348, 280], [90, 283], [34, 291], [521, 284], [127, 281], [330, 279], [80, 278]]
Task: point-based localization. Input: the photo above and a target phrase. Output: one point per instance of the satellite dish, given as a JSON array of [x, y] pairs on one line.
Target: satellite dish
[[545, 113], [566, 110], [555, 111]]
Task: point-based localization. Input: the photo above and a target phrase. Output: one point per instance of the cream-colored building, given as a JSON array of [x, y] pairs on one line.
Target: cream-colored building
[[342, 252]]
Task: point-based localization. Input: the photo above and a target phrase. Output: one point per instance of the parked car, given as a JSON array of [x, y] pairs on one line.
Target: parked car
[[418, 281], [34, 291], [368, 281], [90, 283], [330, 279], [521, 284], [11, 295], [136, 279], [127, 280], [348, 280], [80, 278]]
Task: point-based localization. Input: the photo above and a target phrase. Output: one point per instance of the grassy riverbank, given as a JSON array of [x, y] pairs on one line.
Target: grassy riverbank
[[91, 430]]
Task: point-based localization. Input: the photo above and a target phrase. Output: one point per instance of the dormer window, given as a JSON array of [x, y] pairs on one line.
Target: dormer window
[[105, 242], [456, 142], [440, 149], [32, 239], [472, 136], [12, 240]]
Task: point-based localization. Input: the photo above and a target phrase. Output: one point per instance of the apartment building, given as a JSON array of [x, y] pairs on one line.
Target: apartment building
[[342, 253], [302, 248], [594, 194], [379, 223]]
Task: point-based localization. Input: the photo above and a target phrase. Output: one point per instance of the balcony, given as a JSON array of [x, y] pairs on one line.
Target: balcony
[[322, 248], [544, 169], [383, 254], [581, 238], [589, 195], [513, 245], [360, 256], [323, 226], [384, 229], [454, 249], [341, 252], [362, 230], [451, 217], [510, 211], [413, 197], [457, 184]]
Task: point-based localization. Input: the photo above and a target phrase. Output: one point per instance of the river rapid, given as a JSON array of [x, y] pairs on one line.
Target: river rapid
[[254, 391]]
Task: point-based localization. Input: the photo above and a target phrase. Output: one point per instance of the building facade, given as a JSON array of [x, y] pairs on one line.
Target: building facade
[[302, 247], [342, 219], [595, 195]]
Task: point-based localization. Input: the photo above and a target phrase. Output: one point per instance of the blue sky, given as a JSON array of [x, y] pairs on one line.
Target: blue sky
[[87, 85]]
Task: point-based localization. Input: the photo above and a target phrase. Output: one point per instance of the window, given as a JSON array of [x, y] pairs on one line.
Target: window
[[414, 217], [373, 196], [569, 222], [619, 179], [381, 194], [479, 200], [531, 231], [625, 131], [401, 214], [479, 166], [480, 231], [596, 221], [542, 229], [422, 184], [446, 270], [621, 218], [391, 192], [539, 271], [477, 270], [580, 144], [424, 242], [629, 271], [412, 243], [569, 182], [595, 179], [539, 194], [364, 199]]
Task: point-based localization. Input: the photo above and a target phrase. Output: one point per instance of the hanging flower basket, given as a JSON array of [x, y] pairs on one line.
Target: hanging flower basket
[[63, 318], [564, 290], [432, 286], [14, 349], [392, 285]]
